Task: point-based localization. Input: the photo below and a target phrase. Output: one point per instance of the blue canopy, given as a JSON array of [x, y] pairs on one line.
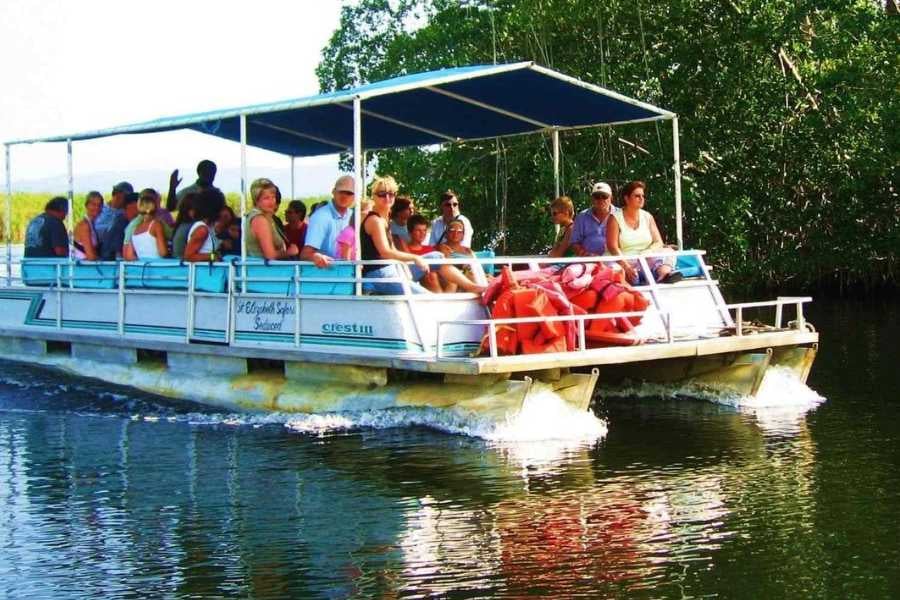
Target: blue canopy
[[463, 103]]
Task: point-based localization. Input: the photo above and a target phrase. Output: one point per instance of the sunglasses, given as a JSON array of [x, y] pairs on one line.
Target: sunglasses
[[455, 231], [386, 194], [600, 196], [451, 203]]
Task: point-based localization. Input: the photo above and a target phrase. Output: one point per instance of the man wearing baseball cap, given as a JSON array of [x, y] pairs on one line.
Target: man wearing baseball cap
[[327, 222], [589, 231], [109, 211]]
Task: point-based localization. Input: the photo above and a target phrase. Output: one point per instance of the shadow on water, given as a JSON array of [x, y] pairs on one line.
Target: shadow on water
[[681, 497]]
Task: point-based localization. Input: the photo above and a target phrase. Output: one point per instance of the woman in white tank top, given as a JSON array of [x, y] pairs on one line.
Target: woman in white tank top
[[148, 240], [633, 231], [201, 240]]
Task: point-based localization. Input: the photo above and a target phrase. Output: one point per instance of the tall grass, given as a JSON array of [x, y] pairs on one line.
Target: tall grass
[[26, 206]]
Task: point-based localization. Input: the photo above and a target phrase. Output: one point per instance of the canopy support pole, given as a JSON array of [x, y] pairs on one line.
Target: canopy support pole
[[244, 226], [8, 220], [679, 230], [357, 182], [70, 217], [556, 162], [292, 179]]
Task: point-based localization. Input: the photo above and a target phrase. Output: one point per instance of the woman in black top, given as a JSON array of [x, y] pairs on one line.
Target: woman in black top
[[375, 244]]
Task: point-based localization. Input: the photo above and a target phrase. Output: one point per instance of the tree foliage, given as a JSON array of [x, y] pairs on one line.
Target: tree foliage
[[788, 112]]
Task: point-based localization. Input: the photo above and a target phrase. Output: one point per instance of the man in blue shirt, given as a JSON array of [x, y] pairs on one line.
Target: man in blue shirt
[[112, 241], [589, 231], [112, 209], [326, 223]]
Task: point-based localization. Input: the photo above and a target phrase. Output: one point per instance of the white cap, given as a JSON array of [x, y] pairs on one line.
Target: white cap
[[601, 188]]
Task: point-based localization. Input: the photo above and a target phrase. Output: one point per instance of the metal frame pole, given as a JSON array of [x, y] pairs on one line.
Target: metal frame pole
[[293, 196], [358, 181], [70, 217], [244, 226], [8, 219], [556, 162], [679, 229]]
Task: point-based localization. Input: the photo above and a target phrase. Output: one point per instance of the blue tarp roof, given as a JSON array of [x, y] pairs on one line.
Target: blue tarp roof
[[463, 103]]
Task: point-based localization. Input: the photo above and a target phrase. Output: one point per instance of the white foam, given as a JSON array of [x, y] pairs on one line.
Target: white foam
[[544, 417]]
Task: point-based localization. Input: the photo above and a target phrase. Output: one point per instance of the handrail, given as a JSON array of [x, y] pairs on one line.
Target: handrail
[[64, 279], [779, 303]]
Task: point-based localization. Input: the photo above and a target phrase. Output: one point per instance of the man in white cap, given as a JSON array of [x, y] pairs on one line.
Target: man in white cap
[[327, 222], [589, 231]]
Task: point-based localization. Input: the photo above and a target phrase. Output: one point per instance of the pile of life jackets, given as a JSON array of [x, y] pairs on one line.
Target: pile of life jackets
[[578, 289]]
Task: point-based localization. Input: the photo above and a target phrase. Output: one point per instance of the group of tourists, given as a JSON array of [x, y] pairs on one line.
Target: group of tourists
[[605, 229], [138, 226]]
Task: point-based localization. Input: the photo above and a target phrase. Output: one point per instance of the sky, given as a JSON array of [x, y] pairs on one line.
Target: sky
[[76, 66]]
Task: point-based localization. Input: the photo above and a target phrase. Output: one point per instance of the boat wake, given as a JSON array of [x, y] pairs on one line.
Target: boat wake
[[782, 398], [544, 417]]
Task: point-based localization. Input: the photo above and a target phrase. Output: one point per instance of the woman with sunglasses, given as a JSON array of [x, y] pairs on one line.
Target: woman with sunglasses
[[449, 212], [633, 231], [452, 247], [376, 244]]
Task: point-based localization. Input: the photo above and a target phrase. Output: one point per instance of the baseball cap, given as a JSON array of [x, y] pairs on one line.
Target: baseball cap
[[122, 186], [345, 184], [601, 188]]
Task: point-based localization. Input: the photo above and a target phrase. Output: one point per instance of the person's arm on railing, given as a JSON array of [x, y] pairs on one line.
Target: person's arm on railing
[[314, 256]]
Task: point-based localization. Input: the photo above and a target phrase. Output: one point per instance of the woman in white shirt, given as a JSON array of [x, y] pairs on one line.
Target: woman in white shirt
[[148, 240], [633, 231], [201, 239]]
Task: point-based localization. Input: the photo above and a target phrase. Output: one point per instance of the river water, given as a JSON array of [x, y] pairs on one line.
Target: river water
[[108, 492]]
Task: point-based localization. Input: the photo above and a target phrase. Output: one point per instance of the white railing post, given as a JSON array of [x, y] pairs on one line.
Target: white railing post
[[358, 184], [492, 339], [439, 340], [779, 310], [58, 296], [739, 321], [245, 227], [120, 325], [8, 219], [189, 328], [296, 298], [229, 333], [293, 197], [582, 338], [676, 166], [555, 136], [71, 194], [801, 320]]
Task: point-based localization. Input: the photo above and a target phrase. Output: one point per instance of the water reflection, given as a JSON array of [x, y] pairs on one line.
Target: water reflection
[[95, 504]]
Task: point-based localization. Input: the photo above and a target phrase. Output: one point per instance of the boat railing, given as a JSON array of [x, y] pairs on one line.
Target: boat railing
[[247, 280], [491, 325]]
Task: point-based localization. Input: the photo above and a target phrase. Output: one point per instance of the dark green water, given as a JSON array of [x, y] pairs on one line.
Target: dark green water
[[118, 495]]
